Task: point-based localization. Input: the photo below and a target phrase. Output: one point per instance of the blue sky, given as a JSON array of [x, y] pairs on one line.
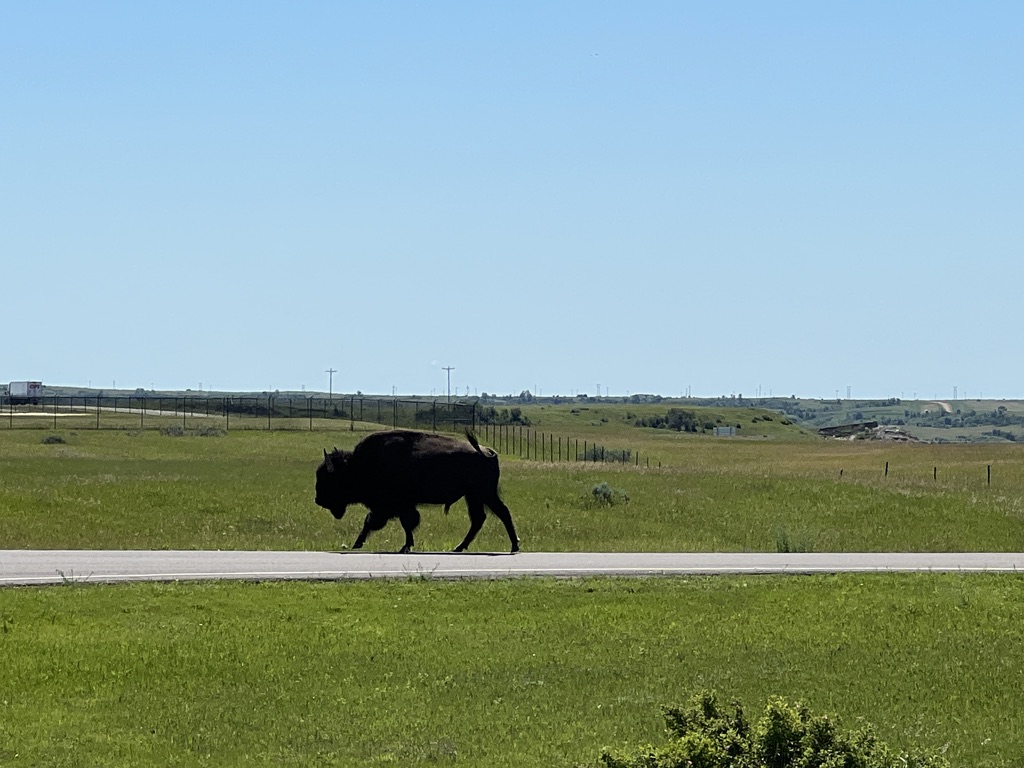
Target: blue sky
[[720, 198]]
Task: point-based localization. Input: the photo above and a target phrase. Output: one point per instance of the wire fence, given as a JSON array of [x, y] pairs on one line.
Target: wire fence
[[201, 414]]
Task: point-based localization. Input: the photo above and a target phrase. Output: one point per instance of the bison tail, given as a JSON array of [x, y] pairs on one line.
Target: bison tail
[[488, 453]]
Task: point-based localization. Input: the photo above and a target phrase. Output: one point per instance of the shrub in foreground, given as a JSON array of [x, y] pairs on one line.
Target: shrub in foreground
[[704, 735]]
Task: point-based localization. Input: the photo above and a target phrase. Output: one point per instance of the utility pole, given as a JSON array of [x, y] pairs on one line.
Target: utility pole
[[449, 369], [330, 383]]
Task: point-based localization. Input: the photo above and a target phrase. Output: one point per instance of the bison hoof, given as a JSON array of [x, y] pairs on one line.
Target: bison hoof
[[459, 549], [405, 550]]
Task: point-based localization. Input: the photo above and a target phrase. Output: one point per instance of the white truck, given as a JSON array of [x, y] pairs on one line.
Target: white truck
[[25, 392]]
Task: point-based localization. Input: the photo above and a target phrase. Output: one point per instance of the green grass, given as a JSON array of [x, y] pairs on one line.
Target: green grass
[[253, 490], [505, 673]]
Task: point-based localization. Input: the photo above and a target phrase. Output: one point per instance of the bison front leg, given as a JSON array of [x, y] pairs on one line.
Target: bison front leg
[[409, 519], [374, 522]]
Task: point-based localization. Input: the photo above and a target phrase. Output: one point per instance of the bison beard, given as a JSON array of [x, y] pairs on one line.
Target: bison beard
[[391, 472]]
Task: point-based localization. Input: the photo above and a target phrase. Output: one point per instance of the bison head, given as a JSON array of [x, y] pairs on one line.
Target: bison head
[[332, 482]]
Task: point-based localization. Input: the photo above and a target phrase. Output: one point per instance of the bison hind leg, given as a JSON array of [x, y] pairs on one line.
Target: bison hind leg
[[477, 515], [502, 513]]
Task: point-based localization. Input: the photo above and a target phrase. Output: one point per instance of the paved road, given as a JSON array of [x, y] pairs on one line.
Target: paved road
[[26, 567]]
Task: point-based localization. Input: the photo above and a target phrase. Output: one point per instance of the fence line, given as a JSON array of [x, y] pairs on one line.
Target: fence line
[[203, 413], [522, 441]]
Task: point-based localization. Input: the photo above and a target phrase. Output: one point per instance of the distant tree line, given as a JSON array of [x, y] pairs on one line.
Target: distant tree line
[[678, 419], [999, 417], [491, 415]]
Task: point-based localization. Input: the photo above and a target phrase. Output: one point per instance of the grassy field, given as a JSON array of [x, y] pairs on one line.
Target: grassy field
[[253, 490], [523, 673], [505, 673]]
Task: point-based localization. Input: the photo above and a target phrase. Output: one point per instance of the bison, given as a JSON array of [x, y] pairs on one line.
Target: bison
[[391, 472]]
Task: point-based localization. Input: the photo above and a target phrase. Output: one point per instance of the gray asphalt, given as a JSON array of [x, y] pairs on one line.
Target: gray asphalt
[[38, 567]]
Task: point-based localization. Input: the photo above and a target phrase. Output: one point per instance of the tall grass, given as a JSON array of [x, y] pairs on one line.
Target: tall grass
[[254, 490], [506, 673]]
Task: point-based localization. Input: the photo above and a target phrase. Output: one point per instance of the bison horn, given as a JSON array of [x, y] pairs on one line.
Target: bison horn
[[327, 461]]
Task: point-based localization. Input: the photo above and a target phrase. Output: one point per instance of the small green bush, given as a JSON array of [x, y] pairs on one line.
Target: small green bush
[[54, 440], [704, 735], [605, 495]]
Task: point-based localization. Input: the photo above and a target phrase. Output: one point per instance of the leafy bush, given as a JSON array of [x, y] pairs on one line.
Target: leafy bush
[[599, 453], [492, 415], [1006, 435], [604, 494], [704, 735], [676, 418]]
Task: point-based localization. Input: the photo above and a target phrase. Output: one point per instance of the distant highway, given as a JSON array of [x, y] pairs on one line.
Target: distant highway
[[40, 567]]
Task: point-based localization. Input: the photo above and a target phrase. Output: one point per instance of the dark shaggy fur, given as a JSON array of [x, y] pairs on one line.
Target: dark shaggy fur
[[391, 472]]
